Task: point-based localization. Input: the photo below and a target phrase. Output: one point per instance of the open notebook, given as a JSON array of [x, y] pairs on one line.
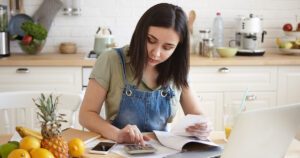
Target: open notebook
[[177, 138]]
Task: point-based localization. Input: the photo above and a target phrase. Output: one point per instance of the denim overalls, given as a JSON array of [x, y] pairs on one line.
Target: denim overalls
[[147, 110]]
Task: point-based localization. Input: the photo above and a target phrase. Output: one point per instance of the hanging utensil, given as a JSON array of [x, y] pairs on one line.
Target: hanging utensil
[[46, 12], [191, 19], [15, 23], [22, 10], [11, 8]]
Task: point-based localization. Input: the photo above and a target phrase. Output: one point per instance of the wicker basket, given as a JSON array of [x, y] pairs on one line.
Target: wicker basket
[[68, 48]]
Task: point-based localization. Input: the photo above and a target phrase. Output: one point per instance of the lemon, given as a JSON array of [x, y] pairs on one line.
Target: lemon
[[76, 147], [297, 42], [41, 153], [288, 45], [19, 153], [28, 143]]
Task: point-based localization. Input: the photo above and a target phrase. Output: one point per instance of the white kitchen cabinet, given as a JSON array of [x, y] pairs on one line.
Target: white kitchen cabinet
[[41, 78], [210, 102], [234, 78], [289, 85], [220, 87], [254, 100]]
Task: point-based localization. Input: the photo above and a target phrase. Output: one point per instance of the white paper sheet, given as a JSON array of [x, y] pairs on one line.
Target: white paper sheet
[[188, 120], [176, 142]]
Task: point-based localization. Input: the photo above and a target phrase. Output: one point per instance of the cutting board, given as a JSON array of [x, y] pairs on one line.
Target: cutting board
[[75, 133]]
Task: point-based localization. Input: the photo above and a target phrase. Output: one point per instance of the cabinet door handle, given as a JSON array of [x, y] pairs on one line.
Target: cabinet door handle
[[251, 97], [22, 70], [224, 70]]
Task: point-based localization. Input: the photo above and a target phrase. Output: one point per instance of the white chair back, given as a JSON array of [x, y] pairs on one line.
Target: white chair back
[[18, 109]]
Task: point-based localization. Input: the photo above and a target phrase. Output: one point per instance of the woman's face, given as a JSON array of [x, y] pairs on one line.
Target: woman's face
[[161, 43]]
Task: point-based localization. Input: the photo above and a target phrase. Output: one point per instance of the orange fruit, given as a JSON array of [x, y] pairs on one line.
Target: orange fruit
[[76, 147], [28, 143], [41, 153], [19, 153]]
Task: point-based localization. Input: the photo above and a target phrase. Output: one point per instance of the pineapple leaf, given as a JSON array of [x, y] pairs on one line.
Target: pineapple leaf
[[51, 104], [40, 115], [42, 96]]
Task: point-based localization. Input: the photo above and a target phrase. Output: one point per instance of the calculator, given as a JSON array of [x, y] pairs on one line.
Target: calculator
[[139, 149]]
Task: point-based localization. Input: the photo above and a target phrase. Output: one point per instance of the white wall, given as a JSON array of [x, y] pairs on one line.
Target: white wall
[[122, 15]]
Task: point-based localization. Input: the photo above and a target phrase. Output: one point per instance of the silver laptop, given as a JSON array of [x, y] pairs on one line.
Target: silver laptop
[[263, 133]]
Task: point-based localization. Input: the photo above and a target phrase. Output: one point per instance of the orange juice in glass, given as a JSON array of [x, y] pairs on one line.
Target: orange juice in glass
[[228, 124], [228, 129]]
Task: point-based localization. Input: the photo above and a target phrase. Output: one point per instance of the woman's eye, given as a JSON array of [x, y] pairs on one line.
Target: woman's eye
[[151, 40], [168, 48]]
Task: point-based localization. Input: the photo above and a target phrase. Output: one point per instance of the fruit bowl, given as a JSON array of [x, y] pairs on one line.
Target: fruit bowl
[[34, 47], [292, 33], [289, 51]]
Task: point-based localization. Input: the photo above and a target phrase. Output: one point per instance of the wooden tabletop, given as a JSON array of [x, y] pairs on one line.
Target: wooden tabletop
[[216, 136], [80, 59]]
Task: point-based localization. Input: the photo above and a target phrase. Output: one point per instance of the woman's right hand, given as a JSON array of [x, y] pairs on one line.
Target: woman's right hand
[[131, 134]]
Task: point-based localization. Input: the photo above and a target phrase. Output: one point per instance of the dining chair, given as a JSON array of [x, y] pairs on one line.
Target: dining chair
[[18, 109]]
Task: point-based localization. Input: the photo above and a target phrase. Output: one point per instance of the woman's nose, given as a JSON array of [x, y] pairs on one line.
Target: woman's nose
[[156, 52]]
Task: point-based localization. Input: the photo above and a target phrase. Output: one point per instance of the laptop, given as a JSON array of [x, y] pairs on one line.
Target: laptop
[[263, 133]]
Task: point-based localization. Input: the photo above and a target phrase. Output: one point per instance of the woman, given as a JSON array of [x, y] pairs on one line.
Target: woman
[[143, 84]]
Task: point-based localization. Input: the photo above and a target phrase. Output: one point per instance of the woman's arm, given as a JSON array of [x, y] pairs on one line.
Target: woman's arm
[[190, 105], [189, 102], [90, 109], [89, 117]]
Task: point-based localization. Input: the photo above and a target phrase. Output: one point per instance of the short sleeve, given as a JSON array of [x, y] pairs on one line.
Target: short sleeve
[[102, 70]]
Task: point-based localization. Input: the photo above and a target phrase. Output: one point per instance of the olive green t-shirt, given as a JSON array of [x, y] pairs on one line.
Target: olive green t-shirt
[[108, 72]]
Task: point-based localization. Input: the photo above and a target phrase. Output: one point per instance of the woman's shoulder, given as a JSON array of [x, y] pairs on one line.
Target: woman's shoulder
[[113, 54]]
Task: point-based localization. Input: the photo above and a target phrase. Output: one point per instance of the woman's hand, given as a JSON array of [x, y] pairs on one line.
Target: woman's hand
[[131, 134], [200, 130]]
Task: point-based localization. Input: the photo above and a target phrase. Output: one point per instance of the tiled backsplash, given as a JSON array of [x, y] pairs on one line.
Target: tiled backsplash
[[122, 15]]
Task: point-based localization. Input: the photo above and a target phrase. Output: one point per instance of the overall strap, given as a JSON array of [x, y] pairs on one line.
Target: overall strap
[[120, 53]]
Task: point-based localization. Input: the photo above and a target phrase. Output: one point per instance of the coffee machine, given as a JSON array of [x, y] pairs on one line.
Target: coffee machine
[[249, 36], [4, 37]]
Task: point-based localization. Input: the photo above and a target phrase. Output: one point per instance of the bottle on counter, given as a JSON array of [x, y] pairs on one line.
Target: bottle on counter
[[218, 32]]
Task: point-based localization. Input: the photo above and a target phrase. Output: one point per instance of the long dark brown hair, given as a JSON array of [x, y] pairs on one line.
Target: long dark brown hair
[[175, 68]]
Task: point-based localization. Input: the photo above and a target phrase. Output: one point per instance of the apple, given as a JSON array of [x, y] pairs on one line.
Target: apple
[[287, 27], [27, 40], [298, 27]]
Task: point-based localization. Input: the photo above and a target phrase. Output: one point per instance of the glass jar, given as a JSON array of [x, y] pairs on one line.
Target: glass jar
[[204, 34], [208, 47]]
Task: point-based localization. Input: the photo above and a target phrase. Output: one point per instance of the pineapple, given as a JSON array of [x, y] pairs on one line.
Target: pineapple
[[51, 126]]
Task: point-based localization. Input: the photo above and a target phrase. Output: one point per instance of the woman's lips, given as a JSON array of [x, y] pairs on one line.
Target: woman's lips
[[152, 60]]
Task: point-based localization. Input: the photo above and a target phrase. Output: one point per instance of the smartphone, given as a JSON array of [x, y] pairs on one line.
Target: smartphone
[[102, 148], [139, 149]]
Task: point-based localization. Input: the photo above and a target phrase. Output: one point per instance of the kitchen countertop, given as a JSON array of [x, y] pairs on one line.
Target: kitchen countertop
[[79, 59]]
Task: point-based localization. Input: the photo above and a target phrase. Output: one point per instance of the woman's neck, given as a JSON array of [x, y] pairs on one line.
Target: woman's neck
[[150, 75]]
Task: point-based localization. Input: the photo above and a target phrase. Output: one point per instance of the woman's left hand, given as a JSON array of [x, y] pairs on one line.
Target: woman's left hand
[[200, 130]]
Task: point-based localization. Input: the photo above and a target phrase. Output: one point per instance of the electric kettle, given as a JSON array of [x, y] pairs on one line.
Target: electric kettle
[[104, 40]]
